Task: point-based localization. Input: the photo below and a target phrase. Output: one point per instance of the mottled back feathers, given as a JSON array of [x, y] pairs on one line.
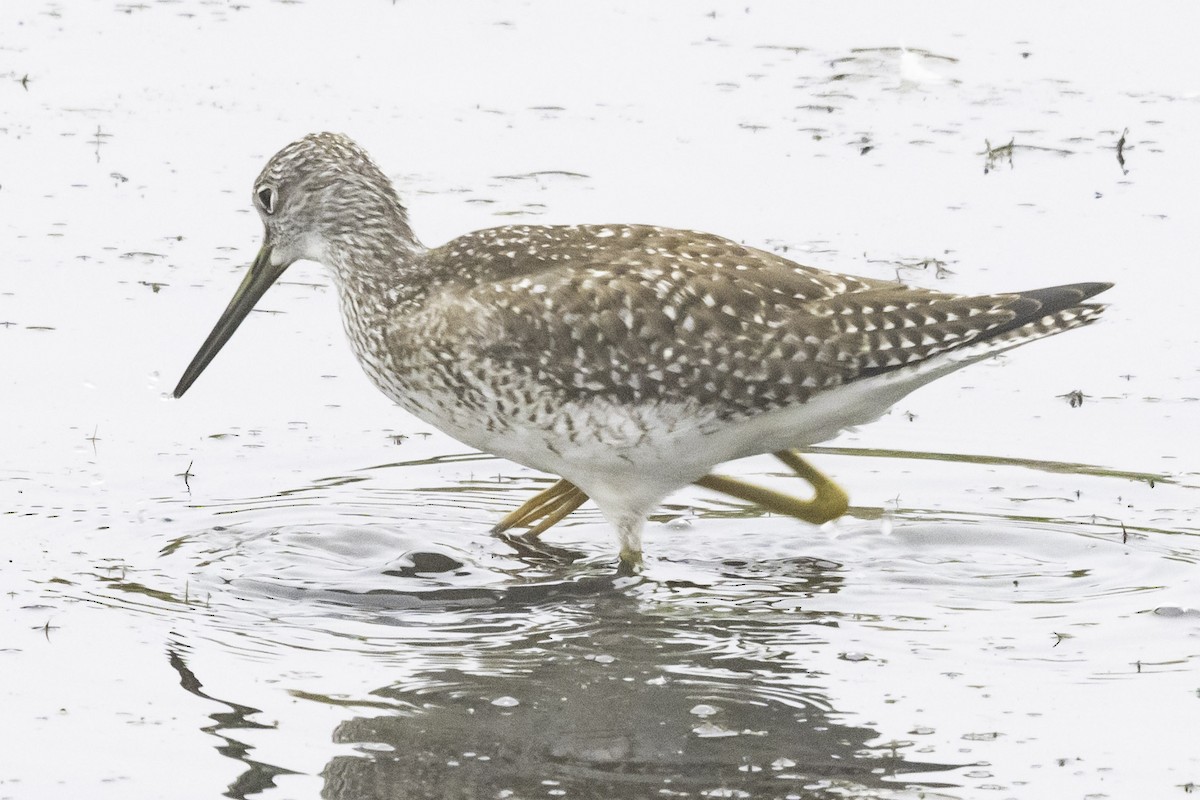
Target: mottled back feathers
[[639, 314]]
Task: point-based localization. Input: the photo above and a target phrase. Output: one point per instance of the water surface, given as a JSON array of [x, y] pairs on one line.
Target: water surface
[[283, 587]]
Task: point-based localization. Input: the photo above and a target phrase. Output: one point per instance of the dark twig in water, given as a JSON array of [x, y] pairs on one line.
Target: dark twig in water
[[940, 270], [187, 473]]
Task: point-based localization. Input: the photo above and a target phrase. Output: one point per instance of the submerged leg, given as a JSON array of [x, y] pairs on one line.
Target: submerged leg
[[551, 506], [629, 529]]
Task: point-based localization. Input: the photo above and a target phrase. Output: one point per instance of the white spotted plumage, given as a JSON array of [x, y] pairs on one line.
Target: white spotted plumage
[[629, 359]]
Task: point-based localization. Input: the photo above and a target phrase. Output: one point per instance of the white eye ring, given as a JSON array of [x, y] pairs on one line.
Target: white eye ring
[[267, 198]]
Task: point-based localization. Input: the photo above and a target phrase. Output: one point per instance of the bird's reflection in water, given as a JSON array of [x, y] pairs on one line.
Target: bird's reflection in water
[[591, 686], [637, 699]]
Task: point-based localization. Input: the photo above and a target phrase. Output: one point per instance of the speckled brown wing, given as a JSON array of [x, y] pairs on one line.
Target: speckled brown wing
[[632, 313], [673, 316]]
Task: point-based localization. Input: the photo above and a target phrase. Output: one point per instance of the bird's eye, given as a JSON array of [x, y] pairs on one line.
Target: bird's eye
[[267, 198]]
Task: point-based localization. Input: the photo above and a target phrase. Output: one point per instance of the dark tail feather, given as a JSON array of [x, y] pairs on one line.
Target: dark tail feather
[[1035, 304], [1056, 298]]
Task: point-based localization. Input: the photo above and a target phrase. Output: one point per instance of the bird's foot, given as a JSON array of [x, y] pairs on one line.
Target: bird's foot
[[630, 563], [829, 501], [550, 506]]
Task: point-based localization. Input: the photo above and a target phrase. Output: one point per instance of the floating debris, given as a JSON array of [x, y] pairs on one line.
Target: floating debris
[[1005, 152], [1075, 398]]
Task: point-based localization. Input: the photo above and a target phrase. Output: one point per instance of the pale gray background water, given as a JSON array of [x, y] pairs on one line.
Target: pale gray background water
[[1010, 610]]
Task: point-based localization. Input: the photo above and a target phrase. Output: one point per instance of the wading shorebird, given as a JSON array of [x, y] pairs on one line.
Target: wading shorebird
[[628, 359]]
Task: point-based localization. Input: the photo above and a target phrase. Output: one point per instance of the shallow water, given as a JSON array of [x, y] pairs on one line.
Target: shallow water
[[282, 587]]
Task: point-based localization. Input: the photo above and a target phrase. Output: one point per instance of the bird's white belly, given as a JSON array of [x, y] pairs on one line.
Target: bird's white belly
[[632, 455], [635, 456]]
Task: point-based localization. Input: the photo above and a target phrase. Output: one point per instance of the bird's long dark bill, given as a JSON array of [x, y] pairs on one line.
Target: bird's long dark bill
[[260, 277]]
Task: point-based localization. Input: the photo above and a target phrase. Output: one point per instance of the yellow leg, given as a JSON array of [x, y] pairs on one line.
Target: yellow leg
[[554, 504], [567, 503], [829, 502], [550, 506]]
